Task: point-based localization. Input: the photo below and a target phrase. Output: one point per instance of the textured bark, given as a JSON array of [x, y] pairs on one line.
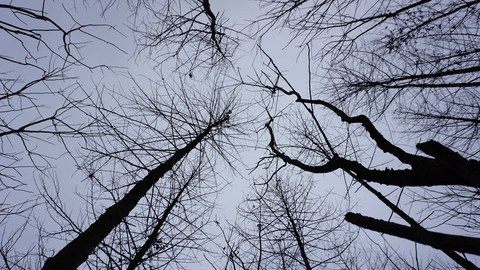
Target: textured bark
[[467, 170], [76, 252]]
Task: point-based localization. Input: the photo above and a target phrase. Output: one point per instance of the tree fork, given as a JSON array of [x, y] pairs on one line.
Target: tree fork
[[137, 260], [467, 170]]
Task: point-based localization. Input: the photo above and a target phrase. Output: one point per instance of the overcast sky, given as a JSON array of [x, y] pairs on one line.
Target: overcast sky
[[117, 51]]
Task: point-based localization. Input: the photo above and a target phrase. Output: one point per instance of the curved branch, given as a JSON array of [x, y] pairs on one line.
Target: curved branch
[[429, 173]]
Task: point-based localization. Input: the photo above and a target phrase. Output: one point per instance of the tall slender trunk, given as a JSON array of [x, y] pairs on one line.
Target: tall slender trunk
[[295, 231], [76, 252], [160, 222]]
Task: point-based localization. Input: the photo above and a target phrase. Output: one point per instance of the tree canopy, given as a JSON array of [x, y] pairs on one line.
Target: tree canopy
[[267, 134]]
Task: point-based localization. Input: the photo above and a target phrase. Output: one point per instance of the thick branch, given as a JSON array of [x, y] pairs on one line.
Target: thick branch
[[415, 225], [429, 173], [436, 240], [381, 142], [430, 85], [411, 78], [213, 25], [469, 170]]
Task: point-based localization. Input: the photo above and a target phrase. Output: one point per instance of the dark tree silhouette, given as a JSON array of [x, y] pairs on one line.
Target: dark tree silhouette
[[317, 153], [418, 60], [377, 75], [285, 225], [406, 67], [41, 115], [191, 32], [77, 251], [178, 124]]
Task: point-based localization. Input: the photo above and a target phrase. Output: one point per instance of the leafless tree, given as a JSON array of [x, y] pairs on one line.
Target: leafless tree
[[145, 139], [315, 149], [126, 143], [41, 116], [149, 151], [285, 225], [417, 60], [192, 33], [395, 66]]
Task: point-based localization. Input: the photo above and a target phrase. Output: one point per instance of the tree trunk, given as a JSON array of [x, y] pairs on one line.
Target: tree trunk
[[76, 252], [160, 222]]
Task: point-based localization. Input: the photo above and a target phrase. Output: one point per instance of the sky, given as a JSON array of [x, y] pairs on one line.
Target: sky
[[111, 43]]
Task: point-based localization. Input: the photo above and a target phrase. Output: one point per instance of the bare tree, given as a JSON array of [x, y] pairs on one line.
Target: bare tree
[[417, 60], [167, 228], [156, 243], [41, 115], [192, 32], [384, 61], [284, 224], [148, 137], [149, 151], [318, 152]]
